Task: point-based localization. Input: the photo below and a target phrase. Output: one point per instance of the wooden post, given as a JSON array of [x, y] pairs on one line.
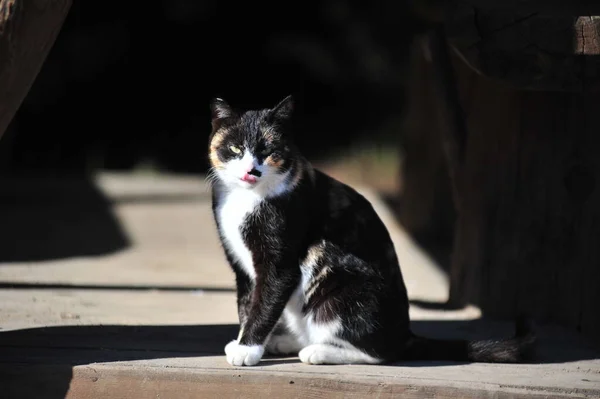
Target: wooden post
[[530, 216], [526, 181], [28, 29], [426, 209]]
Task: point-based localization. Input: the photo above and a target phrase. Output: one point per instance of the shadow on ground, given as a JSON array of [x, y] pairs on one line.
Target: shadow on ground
[[111, 287], [38, 362], [49, 219]]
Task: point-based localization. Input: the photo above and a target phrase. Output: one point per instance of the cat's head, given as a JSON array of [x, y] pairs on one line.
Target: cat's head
[[252, 149]]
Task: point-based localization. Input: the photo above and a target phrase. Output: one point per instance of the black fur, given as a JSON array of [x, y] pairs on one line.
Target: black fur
[[362, 285]]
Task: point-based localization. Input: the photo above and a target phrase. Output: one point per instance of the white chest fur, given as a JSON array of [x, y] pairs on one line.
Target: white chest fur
[[232, 212]]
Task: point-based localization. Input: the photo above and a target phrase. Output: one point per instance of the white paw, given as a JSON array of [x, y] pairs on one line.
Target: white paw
[[282, 345], [313, 354], [243, 355]]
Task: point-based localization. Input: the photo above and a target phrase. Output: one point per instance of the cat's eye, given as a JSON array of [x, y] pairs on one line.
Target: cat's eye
[[235, 149]]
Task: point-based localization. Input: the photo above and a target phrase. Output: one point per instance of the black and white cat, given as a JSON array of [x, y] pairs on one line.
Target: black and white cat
[[316, 271]]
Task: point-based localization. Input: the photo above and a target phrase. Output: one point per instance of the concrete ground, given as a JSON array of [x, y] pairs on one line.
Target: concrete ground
[[118, 288]]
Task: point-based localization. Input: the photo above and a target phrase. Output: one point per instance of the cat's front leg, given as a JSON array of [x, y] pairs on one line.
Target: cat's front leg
[[267, 301], [244, 293], [236, 354]]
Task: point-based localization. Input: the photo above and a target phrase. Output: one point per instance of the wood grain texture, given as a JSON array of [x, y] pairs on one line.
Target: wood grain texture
[[126, 382], [528, 223], [28, 29]]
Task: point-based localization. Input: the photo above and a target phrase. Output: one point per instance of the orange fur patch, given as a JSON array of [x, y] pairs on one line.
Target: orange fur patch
[[214, 145], [276, 163]]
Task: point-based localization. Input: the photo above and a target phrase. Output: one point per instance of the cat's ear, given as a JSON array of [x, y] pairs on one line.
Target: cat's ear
[[220, 109], [284, 109]]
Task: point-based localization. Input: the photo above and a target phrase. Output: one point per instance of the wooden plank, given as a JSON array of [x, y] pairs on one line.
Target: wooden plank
[[30, 308], [565, 365], [276, 380], [94, 382], [105, 234], [28, 30]]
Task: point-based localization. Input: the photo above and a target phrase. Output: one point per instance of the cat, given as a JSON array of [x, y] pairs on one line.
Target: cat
[[316, 271]]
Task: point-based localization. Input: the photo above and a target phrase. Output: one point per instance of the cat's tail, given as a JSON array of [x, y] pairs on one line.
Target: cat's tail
[[509, 350]]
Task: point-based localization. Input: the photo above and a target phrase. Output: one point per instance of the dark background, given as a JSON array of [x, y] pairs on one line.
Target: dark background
[[129, 86]]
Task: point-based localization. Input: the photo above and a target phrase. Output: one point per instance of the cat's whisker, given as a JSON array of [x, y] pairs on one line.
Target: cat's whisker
[[211, 178]]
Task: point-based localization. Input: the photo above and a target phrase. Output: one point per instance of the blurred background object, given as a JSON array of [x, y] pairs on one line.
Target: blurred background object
[[128, 89]]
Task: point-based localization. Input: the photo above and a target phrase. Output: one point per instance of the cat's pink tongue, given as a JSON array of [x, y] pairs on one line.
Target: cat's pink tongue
[[249, 178]]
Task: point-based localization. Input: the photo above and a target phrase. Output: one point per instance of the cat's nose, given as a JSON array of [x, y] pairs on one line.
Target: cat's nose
[[254, 172]]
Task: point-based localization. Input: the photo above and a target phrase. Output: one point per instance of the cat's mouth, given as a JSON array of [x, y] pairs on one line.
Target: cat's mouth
[[248, 178]]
